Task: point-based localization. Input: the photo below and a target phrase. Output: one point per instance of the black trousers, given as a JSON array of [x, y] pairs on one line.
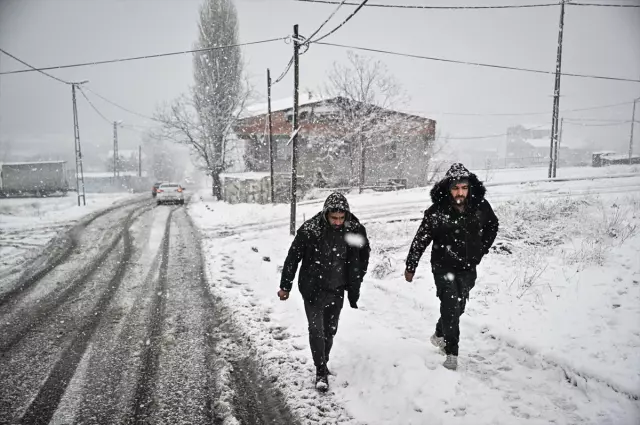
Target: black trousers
[[453, 290], [323, 316]]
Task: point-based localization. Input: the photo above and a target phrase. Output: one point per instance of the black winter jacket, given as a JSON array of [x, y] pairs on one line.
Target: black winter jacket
[[460, 239], [306, 247]]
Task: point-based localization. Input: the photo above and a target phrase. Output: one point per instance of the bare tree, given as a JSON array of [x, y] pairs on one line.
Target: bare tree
[[205, 120], [367, 93]]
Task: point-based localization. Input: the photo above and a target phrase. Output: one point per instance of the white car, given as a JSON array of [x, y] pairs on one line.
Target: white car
[[170, 192]]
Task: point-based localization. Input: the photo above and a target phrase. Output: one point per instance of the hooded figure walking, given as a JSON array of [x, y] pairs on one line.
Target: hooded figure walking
[[462, 226], [334, 251]]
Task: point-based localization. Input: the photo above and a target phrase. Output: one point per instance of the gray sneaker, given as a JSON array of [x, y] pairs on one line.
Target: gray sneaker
[[437, 341], [451, 363]]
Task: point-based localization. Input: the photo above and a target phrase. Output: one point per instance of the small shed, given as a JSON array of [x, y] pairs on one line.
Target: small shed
[[255, 187]]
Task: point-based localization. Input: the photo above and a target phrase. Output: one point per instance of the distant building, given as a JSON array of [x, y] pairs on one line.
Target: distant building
[[327, 157], [527, 145]]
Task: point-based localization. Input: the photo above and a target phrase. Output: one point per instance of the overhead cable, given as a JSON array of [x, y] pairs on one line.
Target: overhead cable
[[408, 6], [121, 107], [93, 106], [486, 65], [128, 59], [33, 68], [328, 19], [364, 2]]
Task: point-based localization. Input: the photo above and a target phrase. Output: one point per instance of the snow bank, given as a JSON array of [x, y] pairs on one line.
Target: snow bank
[[549, 335]]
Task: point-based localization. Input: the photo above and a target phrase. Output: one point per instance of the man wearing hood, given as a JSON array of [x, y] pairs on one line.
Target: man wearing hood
[[462, 226], [334, 251]]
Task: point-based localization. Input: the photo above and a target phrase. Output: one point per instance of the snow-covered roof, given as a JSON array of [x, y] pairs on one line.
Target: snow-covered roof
[[34, 163], [125, 153], [539, 143], [537, 127], [258, 109], [109, 174], [251, 175]]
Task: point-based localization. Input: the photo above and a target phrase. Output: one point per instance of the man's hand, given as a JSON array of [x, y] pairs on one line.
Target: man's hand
[[408, 276], [284, 295]]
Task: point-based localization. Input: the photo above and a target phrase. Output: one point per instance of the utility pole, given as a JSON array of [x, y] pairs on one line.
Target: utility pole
[[633, 121], [115, 150], [78, 149], [556, 92], [294, 146], [139, 160], [273, 191], [556, 156]]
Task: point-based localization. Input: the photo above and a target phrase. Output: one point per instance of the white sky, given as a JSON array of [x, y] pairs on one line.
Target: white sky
[[35, 111]]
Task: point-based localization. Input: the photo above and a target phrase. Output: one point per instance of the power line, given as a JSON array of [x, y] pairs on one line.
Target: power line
[[405, 6], [596, 120], [364, 2], [514, 114], [284, 73], [328, 19], [122, 107], [93, 106], [33, 68], [603, 5], [159, 55], [599, 125], [492, 136], [486, 65]]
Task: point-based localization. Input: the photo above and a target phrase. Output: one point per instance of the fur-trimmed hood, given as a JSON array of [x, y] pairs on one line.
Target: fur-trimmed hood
[[441, 195]]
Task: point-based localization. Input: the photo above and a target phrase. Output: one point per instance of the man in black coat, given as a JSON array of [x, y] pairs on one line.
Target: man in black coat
[[462, 226], [334, 251]]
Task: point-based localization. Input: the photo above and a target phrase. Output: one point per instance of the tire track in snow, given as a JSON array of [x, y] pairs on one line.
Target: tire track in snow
[[143, 398], [29, 317], [56, 252], [44, 405], [242, 393], [102, 393], [38, 368]]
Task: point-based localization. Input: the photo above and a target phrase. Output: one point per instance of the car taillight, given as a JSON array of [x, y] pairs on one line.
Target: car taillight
[[179, 190], [159, 190]]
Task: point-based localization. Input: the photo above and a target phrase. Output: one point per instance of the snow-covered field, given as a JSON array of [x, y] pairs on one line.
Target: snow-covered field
[[493, 176], [28, 224], [551, 333]]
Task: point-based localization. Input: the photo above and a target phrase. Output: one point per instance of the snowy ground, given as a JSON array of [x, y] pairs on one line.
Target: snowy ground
[[550, 335], [538, 173], [28, 224]]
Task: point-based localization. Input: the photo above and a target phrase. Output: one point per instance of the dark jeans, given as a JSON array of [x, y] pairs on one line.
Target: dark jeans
[[453, 290], [323, 316]]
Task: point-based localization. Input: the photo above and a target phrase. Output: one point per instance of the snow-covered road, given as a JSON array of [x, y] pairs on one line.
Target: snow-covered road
[[119, 327]]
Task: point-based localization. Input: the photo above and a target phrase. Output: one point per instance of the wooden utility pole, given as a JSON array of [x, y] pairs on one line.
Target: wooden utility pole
[[115, 150], [556, 155], [271, 152], [633, 121], [556, 93], [78, 148], [294, 142]]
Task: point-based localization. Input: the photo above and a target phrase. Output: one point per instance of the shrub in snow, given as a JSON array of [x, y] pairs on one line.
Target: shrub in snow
[[383, 268]]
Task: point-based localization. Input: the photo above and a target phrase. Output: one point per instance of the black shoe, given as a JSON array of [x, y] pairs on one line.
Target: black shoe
[[322, 378], [322, 382]]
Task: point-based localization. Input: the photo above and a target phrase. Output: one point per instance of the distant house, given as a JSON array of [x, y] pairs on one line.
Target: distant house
[[527, 145], [326, 156]]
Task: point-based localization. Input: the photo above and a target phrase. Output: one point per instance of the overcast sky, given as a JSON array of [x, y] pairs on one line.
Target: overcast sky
[[36, 114]]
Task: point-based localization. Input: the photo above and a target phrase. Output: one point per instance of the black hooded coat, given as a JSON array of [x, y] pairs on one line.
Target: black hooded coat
[[307, 247], [460, 239]]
